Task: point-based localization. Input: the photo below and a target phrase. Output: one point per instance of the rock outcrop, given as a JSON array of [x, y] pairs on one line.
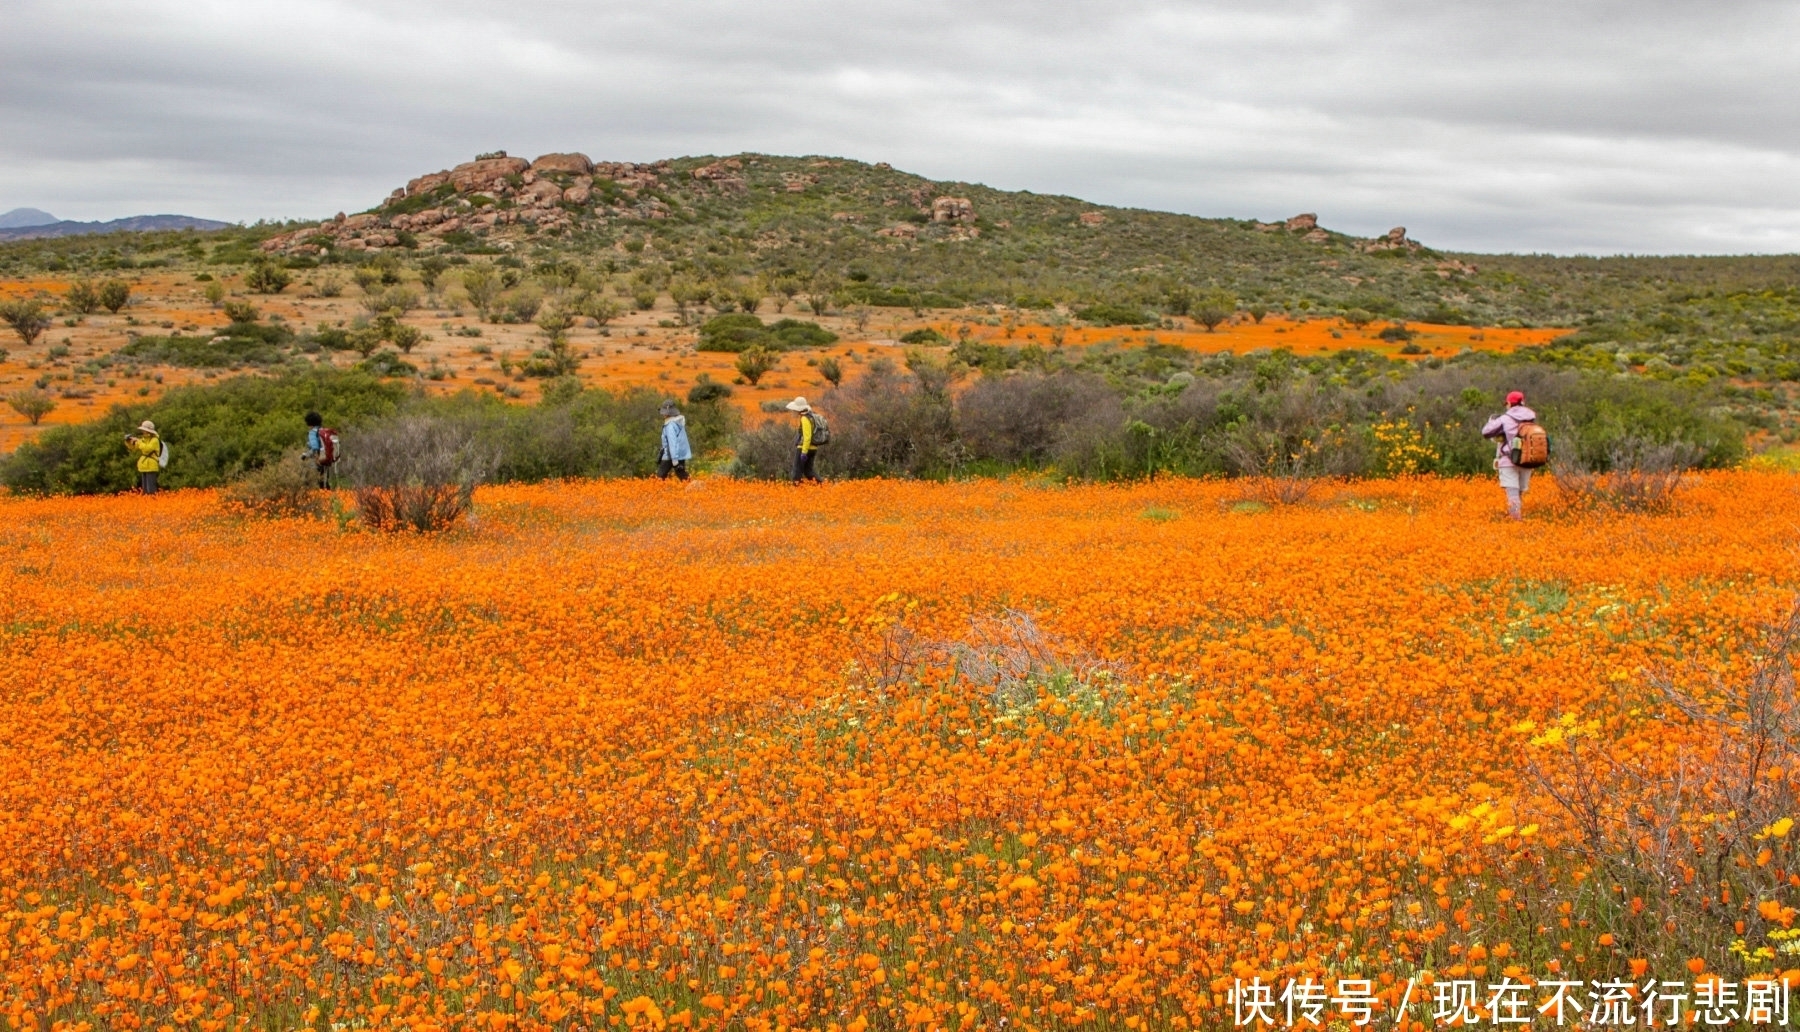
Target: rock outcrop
[[1394, 240], [575, 164], [486, 174], [952, 209], [1093, 218], [551, 193], [726, 174], [1302, 223], [541, 194]]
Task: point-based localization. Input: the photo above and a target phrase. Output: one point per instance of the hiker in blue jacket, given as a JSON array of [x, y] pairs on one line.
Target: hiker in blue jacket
[[676, 451]]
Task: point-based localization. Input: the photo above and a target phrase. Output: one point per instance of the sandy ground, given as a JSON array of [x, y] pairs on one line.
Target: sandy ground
[[635, 350]]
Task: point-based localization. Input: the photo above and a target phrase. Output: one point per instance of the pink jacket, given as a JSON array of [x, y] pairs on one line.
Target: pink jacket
[[1504, 427]]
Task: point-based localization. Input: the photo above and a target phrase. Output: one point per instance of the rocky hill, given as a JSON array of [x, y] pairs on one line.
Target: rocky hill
[[890, 237], [754, 214], [869, 235]]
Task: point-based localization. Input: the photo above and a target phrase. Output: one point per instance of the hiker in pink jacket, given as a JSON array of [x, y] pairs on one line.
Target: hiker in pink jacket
[[1503, 428]]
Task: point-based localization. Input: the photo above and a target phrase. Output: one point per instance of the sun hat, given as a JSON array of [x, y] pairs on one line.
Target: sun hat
[[668, 408], [799, 405], [147, 426], [1516, 398]]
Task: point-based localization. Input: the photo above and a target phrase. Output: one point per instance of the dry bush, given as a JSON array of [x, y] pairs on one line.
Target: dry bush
[[1641, 476], [1015, 660], [417, 472], [1008, 656], [1295, 440], [1282, 469], [767, 451], [1028, 419], [1693, 843], [279, 489]]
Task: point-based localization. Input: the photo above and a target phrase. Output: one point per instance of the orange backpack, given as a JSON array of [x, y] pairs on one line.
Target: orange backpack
[[1531, 448]]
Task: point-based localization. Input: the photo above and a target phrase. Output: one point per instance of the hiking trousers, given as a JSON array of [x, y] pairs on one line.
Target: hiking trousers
[[803, 467]]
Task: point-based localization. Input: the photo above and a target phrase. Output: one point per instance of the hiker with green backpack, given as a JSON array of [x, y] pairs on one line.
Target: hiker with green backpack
[[1521, 445], [813, 432]]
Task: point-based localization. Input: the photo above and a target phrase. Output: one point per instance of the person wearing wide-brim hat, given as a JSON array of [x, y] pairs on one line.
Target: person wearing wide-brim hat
[[676, 450], [147, 445], [805, 450]]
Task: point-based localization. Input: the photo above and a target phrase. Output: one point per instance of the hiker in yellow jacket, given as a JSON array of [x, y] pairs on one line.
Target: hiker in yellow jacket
[[148, 447], [805, 449]]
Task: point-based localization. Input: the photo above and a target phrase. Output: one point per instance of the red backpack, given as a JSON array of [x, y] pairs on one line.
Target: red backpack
[[328, 446]]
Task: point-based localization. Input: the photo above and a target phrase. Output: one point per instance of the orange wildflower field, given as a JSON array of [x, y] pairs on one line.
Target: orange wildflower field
[[880, 755]]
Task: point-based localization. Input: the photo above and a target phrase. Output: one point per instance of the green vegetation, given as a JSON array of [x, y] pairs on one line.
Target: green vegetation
[[1706, 348], [1108, 413], [216, 432], [239, 344], [26, 317], [743, 331], [33, 404], [1114, 315], [223, 431]]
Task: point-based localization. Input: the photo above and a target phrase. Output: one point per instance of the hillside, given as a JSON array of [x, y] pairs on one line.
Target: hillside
[[890, 237], [133, 224], [843, 237]]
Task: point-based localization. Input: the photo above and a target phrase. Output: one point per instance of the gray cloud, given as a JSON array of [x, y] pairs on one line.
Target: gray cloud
[[1584, 125]]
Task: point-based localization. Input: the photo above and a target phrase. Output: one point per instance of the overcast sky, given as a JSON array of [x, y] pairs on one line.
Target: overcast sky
[[1569, 126]]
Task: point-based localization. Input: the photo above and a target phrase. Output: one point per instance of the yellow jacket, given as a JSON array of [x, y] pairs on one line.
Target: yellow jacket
[[149, 451], [804, 439]]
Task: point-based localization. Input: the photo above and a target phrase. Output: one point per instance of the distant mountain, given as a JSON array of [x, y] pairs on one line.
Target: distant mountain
[[22, 218], [134, 224]]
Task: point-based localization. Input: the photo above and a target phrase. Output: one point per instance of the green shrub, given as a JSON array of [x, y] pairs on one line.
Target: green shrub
[[266, 277], [754, 362], [284, 487], [31, 403], [82, 297], [215, 431], [1114, 315], [241, 343], [114, 295], [733, 332], [391, 299], [792, 333], [924, 336], [742, 330], [26, 317], [706, 389], [386, 363], [897, 297], [1213, 308], [241, 311]]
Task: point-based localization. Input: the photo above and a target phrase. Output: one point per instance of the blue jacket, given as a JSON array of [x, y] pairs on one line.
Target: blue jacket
[[313, 445], [675, 446]]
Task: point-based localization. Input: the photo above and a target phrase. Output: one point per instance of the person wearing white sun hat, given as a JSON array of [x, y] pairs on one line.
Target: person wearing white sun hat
[[147, 445], [806, 441]]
